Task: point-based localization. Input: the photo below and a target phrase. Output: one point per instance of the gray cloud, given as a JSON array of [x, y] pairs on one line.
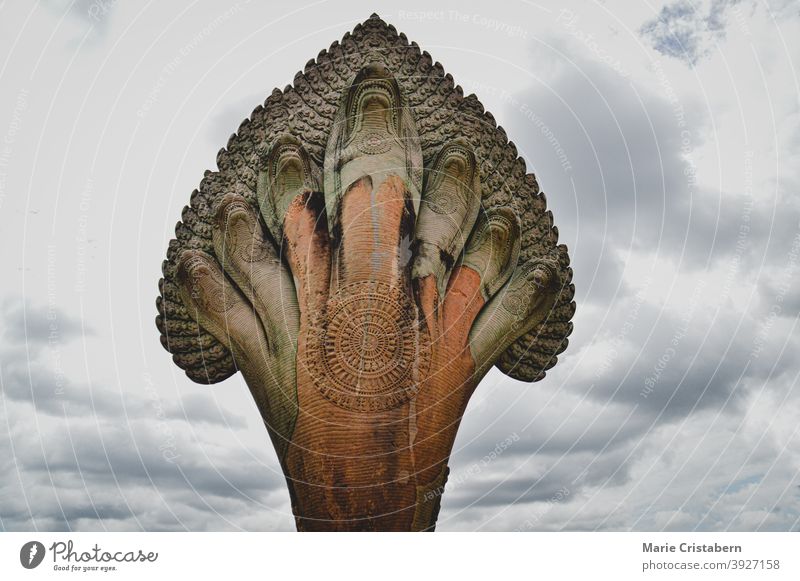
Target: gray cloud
[[95, 458], [23, 323], [626, 186], [683, 365], [197, 407]]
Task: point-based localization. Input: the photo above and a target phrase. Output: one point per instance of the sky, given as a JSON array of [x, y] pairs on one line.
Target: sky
[[665, 134]]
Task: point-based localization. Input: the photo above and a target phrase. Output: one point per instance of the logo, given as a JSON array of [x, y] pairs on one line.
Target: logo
[[31, 554]]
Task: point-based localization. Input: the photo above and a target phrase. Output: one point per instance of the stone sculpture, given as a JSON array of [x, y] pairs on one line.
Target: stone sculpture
[[369, 247]]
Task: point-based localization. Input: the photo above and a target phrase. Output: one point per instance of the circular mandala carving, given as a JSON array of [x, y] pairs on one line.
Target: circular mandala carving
[[374, 143], [516, 302], [219, 301], [525, 287], [444, 202], [370, 355], [254, 249], [207, 286], [243, 234]]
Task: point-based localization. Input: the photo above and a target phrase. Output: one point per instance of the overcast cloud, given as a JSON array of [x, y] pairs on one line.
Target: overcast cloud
[[666, 136]]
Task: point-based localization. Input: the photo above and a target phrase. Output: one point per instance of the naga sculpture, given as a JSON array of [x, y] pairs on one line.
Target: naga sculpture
[[368, 248]]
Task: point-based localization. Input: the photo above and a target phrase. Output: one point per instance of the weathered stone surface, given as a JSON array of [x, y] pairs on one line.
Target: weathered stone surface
[[368, 248]]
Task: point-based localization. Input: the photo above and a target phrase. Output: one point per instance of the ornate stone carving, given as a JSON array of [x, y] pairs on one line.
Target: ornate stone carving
[[368, 248], [370, 354]]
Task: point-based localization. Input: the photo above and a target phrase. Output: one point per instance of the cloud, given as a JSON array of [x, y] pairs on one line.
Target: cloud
[[38, 325], [628, 186], [683, 30], [96, 14], [691, 30], [85, 457], [201, 408], [650, 419]]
